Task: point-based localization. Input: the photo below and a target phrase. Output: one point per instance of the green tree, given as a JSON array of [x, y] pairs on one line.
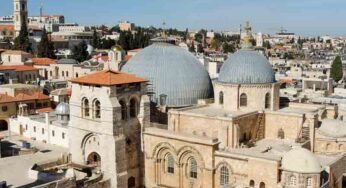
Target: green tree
[[95, 40], [45, 47], [22, 41], [80, 53], [336, 69], [228, 48]]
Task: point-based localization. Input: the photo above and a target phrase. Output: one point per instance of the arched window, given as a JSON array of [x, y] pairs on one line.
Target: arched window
[[309, 182], [341, 147], [293, 181], [327, 147], [252, 183], [221, 97], [62, 73], [224, 176], [123, 110], [262, 185], [131, 182], [193, 168], [66, 73], [243, 100], [76, 75], [267, 101], [50, 73], [133, 107], [169, 163], [85, 107], [97, 109]]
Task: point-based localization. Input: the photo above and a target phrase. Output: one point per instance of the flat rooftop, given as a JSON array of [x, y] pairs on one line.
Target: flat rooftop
[[15, 170], [18, 86], [270, 149], [212, 110]]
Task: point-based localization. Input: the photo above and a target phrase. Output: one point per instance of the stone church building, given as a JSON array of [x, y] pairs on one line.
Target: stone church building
[[164, 123]]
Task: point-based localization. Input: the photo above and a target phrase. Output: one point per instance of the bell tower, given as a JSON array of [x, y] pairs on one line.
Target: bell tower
[[20, 14]]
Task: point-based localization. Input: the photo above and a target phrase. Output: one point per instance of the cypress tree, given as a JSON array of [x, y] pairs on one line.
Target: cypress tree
[[95, 40], [22, 41], [45, 47], [336, 69], [80, 53]]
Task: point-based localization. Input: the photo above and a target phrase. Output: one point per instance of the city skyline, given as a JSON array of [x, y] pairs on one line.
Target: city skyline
[[302, 17]]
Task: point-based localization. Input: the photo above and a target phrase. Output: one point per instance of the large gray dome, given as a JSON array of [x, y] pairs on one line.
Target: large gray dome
[[246, 66], [172, 71]]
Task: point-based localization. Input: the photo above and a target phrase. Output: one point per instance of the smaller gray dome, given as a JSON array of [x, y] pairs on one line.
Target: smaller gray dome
[[67, 61], [247, 66], [62, 109]]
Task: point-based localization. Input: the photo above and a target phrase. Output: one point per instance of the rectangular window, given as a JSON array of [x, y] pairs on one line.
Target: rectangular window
[[26, 127], [34, 129], [42, 130], [63, 135], [4, 108], [53, 133]]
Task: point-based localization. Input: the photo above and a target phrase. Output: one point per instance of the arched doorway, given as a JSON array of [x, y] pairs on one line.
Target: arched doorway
[[3, 125], [94, 159]]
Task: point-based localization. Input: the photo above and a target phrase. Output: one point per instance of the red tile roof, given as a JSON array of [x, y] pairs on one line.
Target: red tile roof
[[7, 27], [43, 61], [62, 92], [15, 52], [4, 98], [18, 68], [108, 78], [45, 110]]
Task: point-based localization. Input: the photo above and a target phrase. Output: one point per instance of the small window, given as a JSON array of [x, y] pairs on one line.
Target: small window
[[4, 108], [224, 176], [243, 100], [309, 182], [66, 73], [123, 110], [62, 73], [252, 183], [193, 168], [34, 129], [97, 109], [63, 135], [293, 181], [169, 163], [133, 108], [42, 130], [26, 127], [267, 101], [85, 107], [53, 133], [221, 97]]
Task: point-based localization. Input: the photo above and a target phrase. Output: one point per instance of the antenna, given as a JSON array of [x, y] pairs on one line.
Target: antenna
[[41, 11], [164, 29]]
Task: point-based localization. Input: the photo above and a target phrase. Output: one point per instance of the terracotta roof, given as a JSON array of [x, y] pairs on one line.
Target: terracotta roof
[[4, 98], [62, 92], [15, 52], [18, 68], [108, 78], [45, 110], [33, 96], [7, 27], [127, 57], [43, 61]]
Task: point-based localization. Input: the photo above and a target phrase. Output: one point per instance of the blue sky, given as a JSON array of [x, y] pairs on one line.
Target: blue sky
[[306, 17]]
